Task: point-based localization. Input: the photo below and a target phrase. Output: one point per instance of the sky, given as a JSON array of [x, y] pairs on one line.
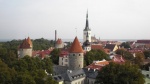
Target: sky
[[108, 19]]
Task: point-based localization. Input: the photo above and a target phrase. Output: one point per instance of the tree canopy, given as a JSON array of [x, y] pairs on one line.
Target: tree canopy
[[127, 55], [95, 55], [125, 45], [55, 55], [120, 74], [27, 70], [147, 54]]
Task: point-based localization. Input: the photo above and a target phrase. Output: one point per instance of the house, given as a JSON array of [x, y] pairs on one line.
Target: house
[[41, 54], [97, 65], [111, 47], [74, 76], [117, 59], [145, 44], [63, 58], [97, 47], [147, 76], [92, 70]]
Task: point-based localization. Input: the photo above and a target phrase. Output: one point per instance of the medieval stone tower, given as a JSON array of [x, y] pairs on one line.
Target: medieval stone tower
[[87, 30], [25, 48], [76, 59], [59, 44]]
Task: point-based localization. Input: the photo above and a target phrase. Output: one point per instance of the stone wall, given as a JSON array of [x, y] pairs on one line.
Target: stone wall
[[75, 61]]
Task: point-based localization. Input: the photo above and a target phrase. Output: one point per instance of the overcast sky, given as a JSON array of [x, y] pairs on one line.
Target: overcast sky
[[108, 19]]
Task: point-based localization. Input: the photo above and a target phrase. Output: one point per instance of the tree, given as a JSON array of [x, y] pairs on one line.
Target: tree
[[120, 74], [125, 45], [139, 59], [55, 56], [7, 75], [127, 55], [147, 53], [95, 55], [42, 44], [24, 78]]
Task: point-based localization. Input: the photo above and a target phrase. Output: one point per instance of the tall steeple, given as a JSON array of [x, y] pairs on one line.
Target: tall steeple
[[87, 23], [87, 30]]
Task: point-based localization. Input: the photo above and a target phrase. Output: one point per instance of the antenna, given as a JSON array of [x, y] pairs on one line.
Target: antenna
[[76, 31]]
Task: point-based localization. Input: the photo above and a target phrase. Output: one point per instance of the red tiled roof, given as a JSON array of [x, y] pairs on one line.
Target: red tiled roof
[[59, 41], [41, 54], [98, 65], [64, 53], [118, 59], [97, 47], [76, 47], [25, 44], [143, 41], [135, 51]]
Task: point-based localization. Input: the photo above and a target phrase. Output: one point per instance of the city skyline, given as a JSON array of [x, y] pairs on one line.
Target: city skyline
[[109, 19]]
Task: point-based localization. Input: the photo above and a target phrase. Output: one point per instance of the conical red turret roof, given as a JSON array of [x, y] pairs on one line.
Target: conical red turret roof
[[76, 47], [25, 44], [59, 41], [29, 41]]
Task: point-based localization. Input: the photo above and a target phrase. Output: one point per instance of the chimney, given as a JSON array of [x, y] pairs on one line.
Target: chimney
[[55, 36]]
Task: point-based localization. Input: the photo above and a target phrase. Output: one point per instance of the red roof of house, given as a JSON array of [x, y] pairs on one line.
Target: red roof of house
[[41, 54], [59, 41], [76, 47], [97, 47], [64, 53], [143, 41], [98, 64], [118, 59]]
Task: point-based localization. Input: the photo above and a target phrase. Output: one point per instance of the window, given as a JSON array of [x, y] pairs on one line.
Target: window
[[62, 58], [66, 60], [62, 63], [79, 65], [147, 75], [79, 54], [73, 54]]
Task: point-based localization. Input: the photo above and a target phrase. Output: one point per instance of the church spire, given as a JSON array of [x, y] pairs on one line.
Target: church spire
[[87, 23]]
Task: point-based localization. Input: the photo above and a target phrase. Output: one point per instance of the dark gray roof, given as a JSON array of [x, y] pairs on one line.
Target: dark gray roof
[[58, 78], [110, 46], [91, 73], [73, 75], [59, 69]]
